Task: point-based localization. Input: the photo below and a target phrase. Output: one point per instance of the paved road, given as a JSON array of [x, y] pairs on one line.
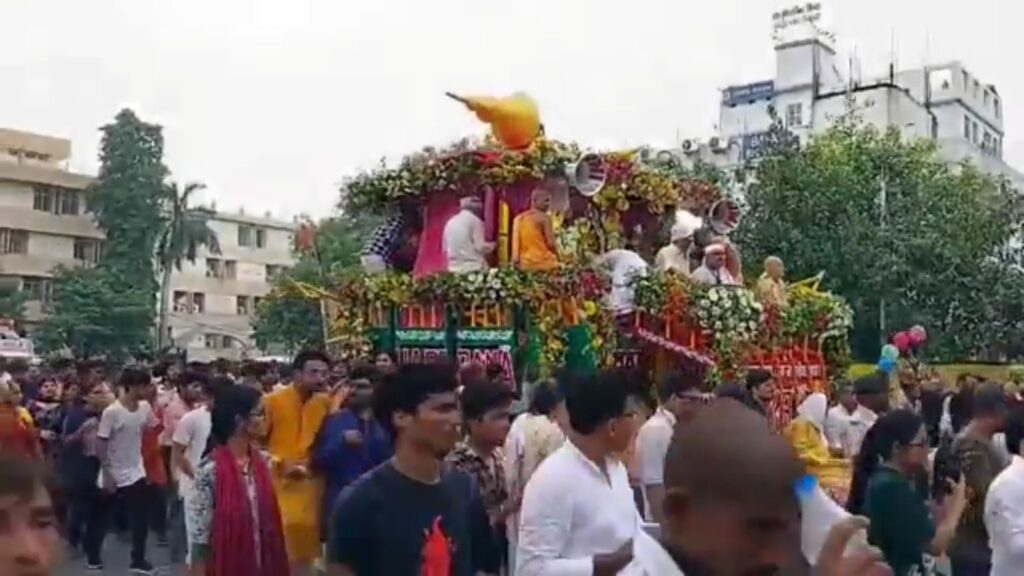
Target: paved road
[[115, 560]]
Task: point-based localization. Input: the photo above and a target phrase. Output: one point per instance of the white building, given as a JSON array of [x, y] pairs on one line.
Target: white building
[[213, 300], [811, 87], [44, 224]]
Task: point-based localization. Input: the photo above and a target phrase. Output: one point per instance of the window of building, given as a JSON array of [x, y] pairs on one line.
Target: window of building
[[245, 236], [985, 96], [230, 269], [214, 268], [977, 87], [199, 303], [212, 341], [986, 144], [13, 241], [967, 127], [261, 238], [966, 79], [87, 250], [42, 198], [69, 202], [38, 289], [242, 305], [181, 301], [996, 108], [273, 271], [256, 301], [227, 342], [795, 114], [55, 200], [974, 132]]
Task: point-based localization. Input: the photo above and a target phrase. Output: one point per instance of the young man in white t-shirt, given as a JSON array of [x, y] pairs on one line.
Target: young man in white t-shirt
[[188, 446], [679, 398], [123, 473]]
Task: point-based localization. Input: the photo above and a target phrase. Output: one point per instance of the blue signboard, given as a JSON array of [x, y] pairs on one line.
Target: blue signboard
[[753, 145], [735, 95]]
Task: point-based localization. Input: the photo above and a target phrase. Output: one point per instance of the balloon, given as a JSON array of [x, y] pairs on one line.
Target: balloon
[[902, 341], [886, 365], [514, 119], [891, 352], [918, 335]]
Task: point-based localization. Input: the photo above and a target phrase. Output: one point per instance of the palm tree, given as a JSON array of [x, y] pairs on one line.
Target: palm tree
[[185, 231]]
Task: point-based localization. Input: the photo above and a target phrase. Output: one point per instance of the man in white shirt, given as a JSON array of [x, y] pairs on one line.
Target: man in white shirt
[[188, 446], [1004, 506], [463, 240], [738, 502], [679, 398], [119, 448], [625, 265], [676, 255], [847, 422], [578, 516], [714, 272]]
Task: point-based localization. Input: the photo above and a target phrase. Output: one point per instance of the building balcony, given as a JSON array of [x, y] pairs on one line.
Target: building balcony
[[48, 223], [33, 264]]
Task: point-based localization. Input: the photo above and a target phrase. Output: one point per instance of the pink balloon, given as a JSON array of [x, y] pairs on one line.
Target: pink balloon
[[902, 340], [918, 335]]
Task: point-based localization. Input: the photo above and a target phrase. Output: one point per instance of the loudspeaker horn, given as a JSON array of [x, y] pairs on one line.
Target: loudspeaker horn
[[588, 174], [724, 216]]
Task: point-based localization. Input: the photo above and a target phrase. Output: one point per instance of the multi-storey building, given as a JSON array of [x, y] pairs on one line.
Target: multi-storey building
[[44, 224], [43, 221], [213, 299], [811, 87]]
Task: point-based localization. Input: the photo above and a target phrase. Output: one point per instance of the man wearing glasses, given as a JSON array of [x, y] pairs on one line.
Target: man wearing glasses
[[679, 399]]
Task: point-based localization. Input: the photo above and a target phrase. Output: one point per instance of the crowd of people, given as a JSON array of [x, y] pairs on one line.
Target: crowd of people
[[369, 468]]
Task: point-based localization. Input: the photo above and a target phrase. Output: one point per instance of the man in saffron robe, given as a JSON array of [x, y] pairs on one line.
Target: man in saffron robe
[[533, 237], [294, 416]]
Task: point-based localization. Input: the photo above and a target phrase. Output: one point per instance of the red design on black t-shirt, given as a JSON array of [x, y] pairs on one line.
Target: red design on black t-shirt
[[437, 558]]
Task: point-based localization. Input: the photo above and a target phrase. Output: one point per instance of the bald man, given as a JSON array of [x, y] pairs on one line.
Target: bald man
[[737, 503], [771, 287]]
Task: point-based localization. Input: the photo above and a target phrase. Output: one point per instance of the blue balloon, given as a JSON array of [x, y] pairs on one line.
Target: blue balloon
[[886, 365]]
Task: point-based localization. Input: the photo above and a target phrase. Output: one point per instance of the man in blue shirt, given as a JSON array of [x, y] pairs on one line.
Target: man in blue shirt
[[351, 442]]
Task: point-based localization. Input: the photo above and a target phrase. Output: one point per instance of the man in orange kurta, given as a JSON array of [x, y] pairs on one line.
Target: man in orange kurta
[[294, 415]]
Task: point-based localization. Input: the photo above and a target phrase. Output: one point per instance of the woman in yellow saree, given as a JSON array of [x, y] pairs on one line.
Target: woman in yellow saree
[[807, 434]]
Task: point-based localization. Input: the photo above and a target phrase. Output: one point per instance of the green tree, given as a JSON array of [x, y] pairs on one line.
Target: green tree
[[109, 310], [128, 196], [185, 230], [289, 323], [97, 313], [890, 223], [12, 301]]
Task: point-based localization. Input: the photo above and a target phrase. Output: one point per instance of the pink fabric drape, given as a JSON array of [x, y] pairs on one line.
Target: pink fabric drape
[[430, 258]]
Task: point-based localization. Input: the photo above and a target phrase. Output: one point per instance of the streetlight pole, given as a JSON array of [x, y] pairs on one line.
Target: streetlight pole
[[882, 202]]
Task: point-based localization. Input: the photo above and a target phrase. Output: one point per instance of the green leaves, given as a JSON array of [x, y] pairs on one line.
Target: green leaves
[[97, 313], [290, 323], [109, 310], [887, 220], [12, 301]]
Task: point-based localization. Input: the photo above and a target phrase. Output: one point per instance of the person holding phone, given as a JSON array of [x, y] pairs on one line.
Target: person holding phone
[[894, 452]]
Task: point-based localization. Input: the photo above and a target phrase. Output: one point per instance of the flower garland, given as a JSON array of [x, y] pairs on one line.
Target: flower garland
[[732, 315], [467, 164]]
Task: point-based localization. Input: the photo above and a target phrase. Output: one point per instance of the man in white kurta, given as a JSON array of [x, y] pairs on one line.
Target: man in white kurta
[[463, 241]]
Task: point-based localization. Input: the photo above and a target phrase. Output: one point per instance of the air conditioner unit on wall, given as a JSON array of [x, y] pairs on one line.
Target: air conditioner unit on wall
[[690, 146]]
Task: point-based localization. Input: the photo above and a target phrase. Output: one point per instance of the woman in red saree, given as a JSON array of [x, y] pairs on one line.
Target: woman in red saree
[[233, 518]]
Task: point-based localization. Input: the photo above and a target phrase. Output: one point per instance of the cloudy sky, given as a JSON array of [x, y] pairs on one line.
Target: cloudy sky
[[272, 102]]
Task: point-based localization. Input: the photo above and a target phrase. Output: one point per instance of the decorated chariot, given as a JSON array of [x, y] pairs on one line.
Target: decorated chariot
[[530, 322]]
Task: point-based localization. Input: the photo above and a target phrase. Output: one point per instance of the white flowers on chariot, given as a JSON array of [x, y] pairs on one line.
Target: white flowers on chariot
[[713, 295], [718, 325]]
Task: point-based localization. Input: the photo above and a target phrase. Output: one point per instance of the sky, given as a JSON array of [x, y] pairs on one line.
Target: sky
[[272, 103]]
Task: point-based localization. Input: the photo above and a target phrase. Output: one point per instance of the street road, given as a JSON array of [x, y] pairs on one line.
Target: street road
[[115, 560]]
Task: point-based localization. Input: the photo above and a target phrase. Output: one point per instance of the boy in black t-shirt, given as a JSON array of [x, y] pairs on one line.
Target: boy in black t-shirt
[[410, 516]]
